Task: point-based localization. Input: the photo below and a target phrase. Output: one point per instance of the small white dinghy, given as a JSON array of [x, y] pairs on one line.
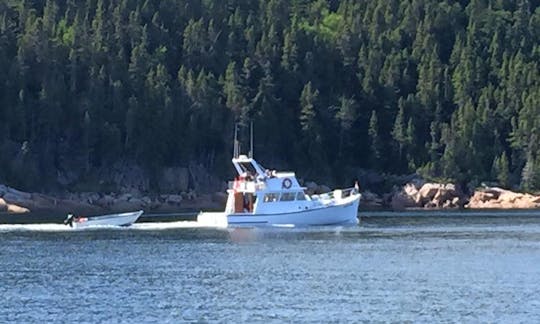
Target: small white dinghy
[[122, 219]]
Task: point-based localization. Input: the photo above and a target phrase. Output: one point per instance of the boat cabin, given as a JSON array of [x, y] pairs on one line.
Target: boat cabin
[[259, 190]]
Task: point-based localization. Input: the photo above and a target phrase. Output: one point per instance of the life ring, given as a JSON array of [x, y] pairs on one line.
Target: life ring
[[287, 183]]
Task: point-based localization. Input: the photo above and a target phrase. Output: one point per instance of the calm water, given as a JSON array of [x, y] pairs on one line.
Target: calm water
[[466, 269]]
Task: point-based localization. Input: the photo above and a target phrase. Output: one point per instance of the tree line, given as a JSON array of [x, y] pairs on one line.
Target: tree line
[[448, 89]]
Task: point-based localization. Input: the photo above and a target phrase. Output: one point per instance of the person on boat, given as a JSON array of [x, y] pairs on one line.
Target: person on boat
[[356, 187], [69, 220], [270, 173], [246, 204], [245, 176]]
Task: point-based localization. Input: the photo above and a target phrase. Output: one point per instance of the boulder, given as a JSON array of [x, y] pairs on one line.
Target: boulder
[[448, 204], [16, 209], [14, 198], [511, 197], [428, 192], [147, 201], [481, 196], [137, 203], [440, 195], [445, 195], [191, 195], [494, 197], [155, 204], [40, 201], [85, 197], [18, 193], [106, 201], [174, 199], [124, 197], [401, 200], [411, 191], [124, 205], [3, 205], [524, 202], [429, 195], [430, 205], [370, 199]]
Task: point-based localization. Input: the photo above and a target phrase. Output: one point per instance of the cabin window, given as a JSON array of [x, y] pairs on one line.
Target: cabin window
[[300, 196], [287, 196], [271, 197]]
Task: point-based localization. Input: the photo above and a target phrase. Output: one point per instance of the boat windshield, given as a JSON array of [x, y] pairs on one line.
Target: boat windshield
[[271, 197]]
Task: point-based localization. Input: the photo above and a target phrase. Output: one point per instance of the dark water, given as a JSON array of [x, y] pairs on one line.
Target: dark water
[[448, 268]]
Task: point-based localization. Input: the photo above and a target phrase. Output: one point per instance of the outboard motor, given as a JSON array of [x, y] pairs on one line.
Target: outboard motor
[[69, 220]]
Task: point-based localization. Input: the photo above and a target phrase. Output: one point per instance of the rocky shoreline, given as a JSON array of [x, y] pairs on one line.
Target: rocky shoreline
[[14, 201], [418, 195], [413, 195]]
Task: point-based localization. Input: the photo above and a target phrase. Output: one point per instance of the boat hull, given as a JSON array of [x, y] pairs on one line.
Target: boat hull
[[337, 214], [123, 219]]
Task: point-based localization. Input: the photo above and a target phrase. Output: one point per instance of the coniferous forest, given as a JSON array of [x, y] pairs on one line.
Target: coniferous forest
[[447, 89]]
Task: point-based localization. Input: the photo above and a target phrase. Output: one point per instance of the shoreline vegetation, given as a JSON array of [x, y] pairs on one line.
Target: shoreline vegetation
[[413, 195], [98, 95]]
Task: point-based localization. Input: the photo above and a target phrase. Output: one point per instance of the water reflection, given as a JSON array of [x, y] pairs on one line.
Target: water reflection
[[243, 234]]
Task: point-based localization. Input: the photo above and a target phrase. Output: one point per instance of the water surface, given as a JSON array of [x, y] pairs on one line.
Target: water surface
[[390, 268]]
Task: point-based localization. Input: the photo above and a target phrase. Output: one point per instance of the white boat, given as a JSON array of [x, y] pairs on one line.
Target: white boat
[[122, 219], [258, 197]]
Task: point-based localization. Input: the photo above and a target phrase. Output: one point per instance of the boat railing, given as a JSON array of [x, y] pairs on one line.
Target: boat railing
[[348, 192], [246, 186], [323, 197], [336, 194]]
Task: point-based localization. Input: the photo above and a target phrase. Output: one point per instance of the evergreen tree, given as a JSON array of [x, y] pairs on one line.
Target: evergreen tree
[[346, 115], [376, 144], [398, 132], [502, 170], [450, 88]]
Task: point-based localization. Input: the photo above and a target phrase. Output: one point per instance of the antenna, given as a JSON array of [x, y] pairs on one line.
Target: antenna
[[236, 144], [251, 141]]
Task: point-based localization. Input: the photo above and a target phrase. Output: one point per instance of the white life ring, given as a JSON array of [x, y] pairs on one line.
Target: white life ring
[[287, 183]]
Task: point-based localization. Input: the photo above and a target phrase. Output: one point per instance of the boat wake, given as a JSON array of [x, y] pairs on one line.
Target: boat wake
[[63, 228], [34, 228], [166, 225], [156, 226]]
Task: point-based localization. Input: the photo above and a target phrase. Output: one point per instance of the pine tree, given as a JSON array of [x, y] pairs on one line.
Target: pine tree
[[308, 115], [398, 132], [502, 170], [232, 89], [376, 144], [346, 115]]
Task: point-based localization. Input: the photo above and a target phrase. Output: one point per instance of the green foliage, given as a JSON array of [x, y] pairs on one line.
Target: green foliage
[[375, 140], [448, 89], [501, 169]]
